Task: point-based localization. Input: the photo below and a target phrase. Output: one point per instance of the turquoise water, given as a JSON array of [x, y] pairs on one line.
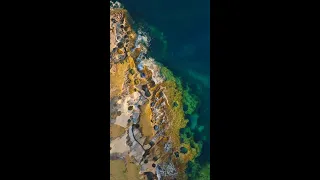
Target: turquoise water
[[180, 39]]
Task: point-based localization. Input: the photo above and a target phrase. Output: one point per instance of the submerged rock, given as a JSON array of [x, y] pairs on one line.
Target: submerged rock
[[183, 150]]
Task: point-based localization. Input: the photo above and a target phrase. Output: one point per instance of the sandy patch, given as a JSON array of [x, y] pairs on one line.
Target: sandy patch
[[133, 170], [116, 130], [124, 170], [130, 100], [118, 170], [145, 120], [119, 145], [117, 77]]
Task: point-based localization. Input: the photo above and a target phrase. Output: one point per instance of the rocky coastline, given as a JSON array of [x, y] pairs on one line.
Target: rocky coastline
[[146, 105]]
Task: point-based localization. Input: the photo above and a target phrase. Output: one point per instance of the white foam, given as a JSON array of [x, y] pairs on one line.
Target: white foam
[[143, 38], [115, 5], [154, 68]]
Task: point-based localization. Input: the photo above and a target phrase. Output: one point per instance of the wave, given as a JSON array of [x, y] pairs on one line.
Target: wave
[[115, 5]]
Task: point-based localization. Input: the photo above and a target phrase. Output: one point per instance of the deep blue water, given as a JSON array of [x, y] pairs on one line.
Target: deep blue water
[[184, 47]]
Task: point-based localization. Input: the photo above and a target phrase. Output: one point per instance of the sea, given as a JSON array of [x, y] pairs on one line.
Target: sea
[[180, 40]]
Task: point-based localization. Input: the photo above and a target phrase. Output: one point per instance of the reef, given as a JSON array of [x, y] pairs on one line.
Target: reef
[[146, 108]]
